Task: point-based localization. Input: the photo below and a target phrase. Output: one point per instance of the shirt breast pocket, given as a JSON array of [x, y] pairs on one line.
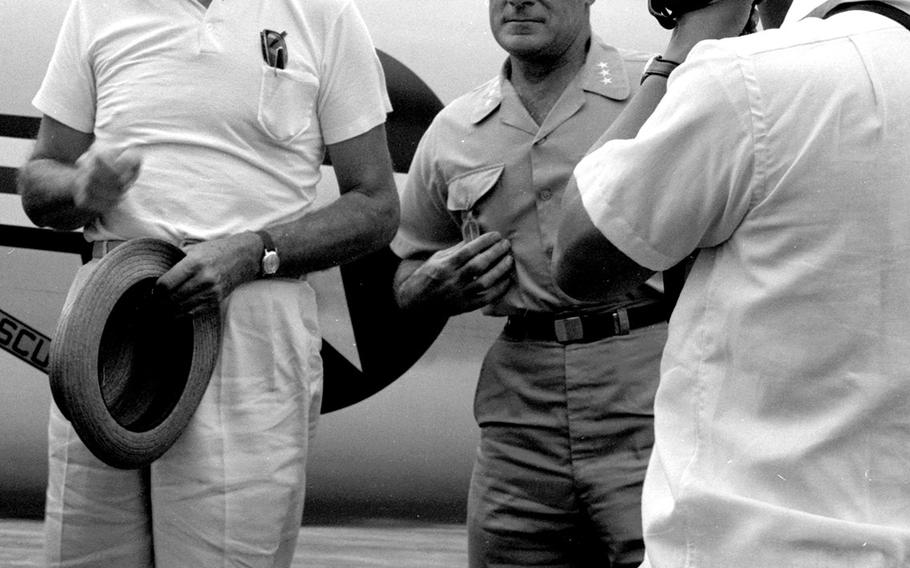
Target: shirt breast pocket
[[466, 192], [286, 102]]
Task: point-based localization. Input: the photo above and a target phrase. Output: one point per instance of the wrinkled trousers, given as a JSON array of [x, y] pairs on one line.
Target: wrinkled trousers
[[566, 434], [230, 491]]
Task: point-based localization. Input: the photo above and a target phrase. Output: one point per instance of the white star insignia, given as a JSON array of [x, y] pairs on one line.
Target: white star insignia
[[606, 77]]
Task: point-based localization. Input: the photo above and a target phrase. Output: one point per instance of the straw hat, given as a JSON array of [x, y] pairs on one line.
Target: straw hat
[[125, 372]]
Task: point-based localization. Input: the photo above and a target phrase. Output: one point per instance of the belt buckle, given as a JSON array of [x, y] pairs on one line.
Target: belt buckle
[[621, 322], [568, 329]]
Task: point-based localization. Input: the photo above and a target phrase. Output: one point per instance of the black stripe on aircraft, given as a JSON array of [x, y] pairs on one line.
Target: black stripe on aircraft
[[45, 239], [388, 341], [14, 126], [7, 180]]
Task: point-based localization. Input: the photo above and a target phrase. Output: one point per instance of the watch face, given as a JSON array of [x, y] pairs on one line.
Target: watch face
[[270, 262]]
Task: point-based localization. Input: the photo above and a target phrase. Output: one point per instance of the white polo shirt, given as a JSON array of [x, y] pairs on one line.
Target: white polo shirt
[[229, 144], [783, 414]]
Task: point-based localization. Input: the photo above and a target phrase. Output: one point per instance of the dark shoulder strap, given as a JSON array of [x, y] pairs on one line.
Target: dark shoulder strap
[[886, 10], [674, 280]]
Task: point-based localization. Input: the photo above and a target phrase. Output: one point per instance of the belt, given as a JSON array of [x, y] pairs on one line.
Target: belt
[[583, 328], [101, 248]]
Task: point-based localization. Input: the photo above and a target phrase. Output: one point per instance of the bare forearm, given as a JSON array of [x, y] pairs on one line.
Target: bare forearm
[[354, 225], [350, 227], [69, 181], [363, 219], [407, 293], [47, 188], [588, 266]]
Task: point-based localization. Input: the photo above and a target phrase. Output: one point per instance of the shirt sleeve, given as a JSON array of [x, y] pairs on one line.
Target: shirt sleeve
[[353, 98], [67, 93], [426, 223], [688, 178]]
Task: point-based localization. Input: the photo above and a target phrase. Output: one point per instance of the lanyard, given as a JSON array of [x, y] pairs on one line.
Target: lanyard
[[881, 8]]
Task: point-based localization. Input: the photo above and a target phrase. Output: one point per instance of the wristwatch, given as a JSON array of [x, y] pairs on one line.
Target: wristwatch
[[657, 65], [270, 261]]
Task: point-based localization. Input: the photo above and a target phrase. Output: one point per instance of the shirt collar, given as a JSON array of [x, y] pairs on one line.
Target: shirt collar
[[604, 73]]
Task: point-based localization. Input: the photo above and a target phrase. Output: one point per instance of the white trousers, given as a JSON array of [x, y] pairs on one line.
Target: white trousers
[[230, 491]]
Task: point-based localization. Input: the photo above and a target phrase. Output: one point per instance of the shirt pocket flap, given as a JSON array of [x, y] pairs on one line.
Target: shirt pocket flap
[[466, 189]]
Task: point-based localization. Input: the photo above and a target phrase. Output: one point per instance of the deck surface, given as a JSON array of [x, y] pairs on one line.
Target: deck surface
[[391, 545]]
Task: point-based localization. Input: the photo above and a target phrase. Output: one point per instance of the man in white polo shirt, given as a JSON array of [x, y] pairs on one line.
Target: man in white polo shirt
[[204, 123], [783, 412]]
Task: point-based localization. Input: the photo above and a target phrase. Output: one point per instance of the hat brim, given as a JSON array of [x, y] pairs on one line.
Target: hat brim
[[126, 373]]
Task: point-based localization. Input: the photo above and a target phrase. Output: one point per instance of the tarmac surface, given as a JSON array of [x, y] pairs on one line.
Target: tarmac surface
[[377, 544]]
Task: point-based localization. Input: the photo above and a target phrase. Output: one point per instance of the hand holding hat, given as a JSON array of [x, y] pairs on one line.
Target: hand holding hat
[[210, 271], [127, 374]]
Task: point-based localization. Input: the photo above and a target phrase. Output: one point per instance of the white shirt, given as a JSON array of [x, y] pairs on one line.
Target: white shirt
[[783, 413], [229, 144]]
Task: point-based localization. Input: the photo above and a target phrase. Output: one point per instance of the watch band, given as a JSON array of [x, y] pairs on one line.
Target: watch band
[[270, 262], [657, 65], [267, 243]]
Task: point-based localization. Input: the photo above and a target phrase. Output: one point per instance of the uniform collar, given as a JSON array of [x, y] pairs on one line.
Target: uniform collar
[[604, 73]]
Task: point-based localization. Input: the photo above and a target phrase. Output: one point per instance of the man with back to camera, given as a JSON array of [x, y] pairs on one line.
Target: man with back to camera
[[784, 403], [564, 399], [205, 123]]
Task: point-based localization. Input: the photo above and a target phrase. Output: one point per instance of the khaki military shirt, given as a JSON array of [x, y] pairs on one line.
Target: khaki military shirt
[[485, 165]]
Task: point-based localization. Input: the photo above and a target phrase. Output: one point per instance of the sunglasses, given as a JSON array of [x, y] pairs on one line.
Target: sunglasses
[[274, 48]]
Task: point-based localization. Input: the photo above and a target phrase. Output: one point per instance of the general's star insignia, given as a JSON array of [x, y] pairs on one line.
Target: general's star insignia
[[606, 76]]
